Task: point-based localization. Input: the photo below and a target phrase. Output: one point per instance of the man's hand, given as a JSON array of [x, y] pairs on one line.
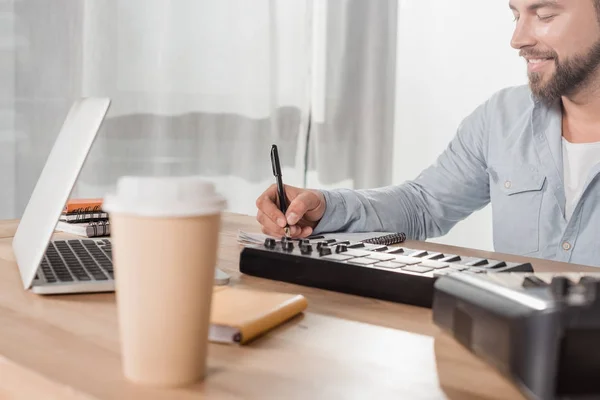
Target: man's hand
[[305, 210]]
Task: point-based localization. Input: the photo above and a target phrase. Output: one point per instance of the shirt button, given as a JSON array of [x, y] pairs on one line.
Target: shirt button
[[566, 246], [507, 184]]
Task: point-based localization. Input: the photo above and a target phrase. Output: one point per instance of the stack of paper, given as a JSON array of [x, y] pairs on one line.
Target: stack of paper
[[246, 238]]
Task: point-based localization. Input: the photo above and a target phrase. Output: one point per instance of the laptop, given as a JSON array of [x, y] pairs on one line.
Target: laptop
[[53, 266]]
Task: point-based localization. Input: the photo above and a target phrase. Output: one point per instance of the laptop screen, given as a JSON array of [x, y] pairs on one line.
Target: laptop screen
[[56, 182]]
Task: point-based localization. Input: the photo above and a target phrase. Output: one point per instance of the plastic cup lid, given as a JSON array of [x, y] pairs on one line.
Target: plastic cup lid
[[164, 197]]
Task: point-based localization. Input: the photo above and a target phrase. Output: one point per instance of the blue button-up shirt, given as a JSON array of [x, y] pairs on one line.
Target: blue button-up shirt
[[508, 152]]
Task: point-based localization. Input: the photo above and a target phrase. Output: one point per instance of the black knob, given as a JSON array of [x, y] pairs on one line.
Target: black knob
[[321, 245], [324, 251], [589, 281], [560, 286], [591, 287], [306, 249], [304, 242], [340, 248], [270, 243], [287, 245]]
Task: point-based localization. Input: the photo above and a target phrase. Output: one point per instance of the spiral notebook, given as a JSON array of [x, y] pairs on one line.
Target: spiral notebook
[[85, 229], [78, 205], [86, 214], [383, 238], [84, 217]]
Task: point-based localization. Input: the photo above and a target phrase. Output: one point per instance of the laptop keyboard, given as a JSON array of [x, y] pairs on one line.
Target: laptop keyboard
[[77, 260]]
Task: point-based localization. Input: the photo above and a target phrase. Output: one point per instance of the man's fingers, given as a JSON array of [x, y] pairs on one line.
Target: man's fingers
[[306, 232], [304, 202], [266, 204], [268, 232], [268, 224], [269, 228]]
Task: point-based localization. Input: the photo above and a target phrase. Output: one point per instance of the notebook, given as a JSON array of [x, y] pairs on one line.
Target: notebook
[[241, 315], [85, 229], [84, 217], [76, 205], [383, 238]]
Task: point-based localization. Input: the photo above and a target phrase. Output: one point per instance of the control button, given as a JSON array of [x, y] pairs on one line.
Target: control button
[[417, 269], [378, 248], [589, 280], [533, 281], [321, 245], [560, 286], [337, 257], [390, 265], [287, 245], [407, 260], [358, 253], [434, 264], [508, 184], [418, 253], [306, 249], [493, 264], [382, 257], [270, 243], [363, 261], [341, 248], [356, 245], [324, 251], [591, 287], [395, 250], [304, 242], [476, 262], [450, 258], [566, 246], [434, 256]]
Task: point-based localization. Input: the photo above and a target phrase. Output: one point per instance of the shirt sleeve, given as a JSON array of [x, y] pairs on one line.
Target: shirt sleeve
[[451, 189]]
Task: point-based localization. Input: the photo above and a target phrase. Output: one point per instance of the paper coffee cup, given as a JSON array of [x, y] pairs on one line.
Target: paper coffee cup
[[164, 233]]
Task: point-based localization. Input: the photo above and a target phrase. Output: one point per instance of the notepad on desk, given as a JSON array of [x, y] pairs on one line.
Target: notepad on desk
[[241, 315]]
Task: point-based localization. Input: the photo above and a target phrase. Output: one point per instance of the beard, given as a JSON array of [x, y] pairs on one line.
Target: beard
[[570, 75]]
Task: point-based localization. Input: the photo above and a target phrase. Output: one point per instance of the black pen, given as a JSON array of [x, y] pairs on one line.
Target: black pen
[[280, 190]]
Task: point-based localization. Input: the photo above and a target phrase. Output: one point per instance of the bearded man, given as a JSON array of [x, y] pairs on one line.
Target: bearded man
[[533, 152]]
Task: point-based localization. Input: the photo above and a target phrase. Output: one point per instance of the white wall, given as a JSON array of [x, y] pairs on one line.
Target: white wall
[[452, 55]]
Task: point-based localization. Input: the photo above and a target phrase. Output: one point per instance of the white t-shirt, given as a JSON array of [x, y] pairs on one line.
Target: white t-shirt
[[578, 160]]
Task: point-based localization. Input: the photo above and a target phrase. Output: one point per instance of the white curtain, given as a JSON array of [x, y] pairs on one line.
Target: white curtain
[[203, 87], [8, 45]]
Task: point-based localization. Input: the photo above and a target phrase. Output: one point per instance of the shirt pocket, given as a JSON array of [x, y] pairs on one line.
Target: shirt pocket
[[516, 193]]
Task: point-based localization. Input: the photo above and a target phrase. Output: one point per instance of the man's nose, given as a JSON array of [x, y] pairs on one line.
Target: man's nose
[[522, 36]]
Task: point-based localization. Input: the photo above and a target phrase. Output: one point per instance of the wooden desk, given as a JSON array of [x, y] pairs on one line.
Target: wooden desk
[[66, 347]]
